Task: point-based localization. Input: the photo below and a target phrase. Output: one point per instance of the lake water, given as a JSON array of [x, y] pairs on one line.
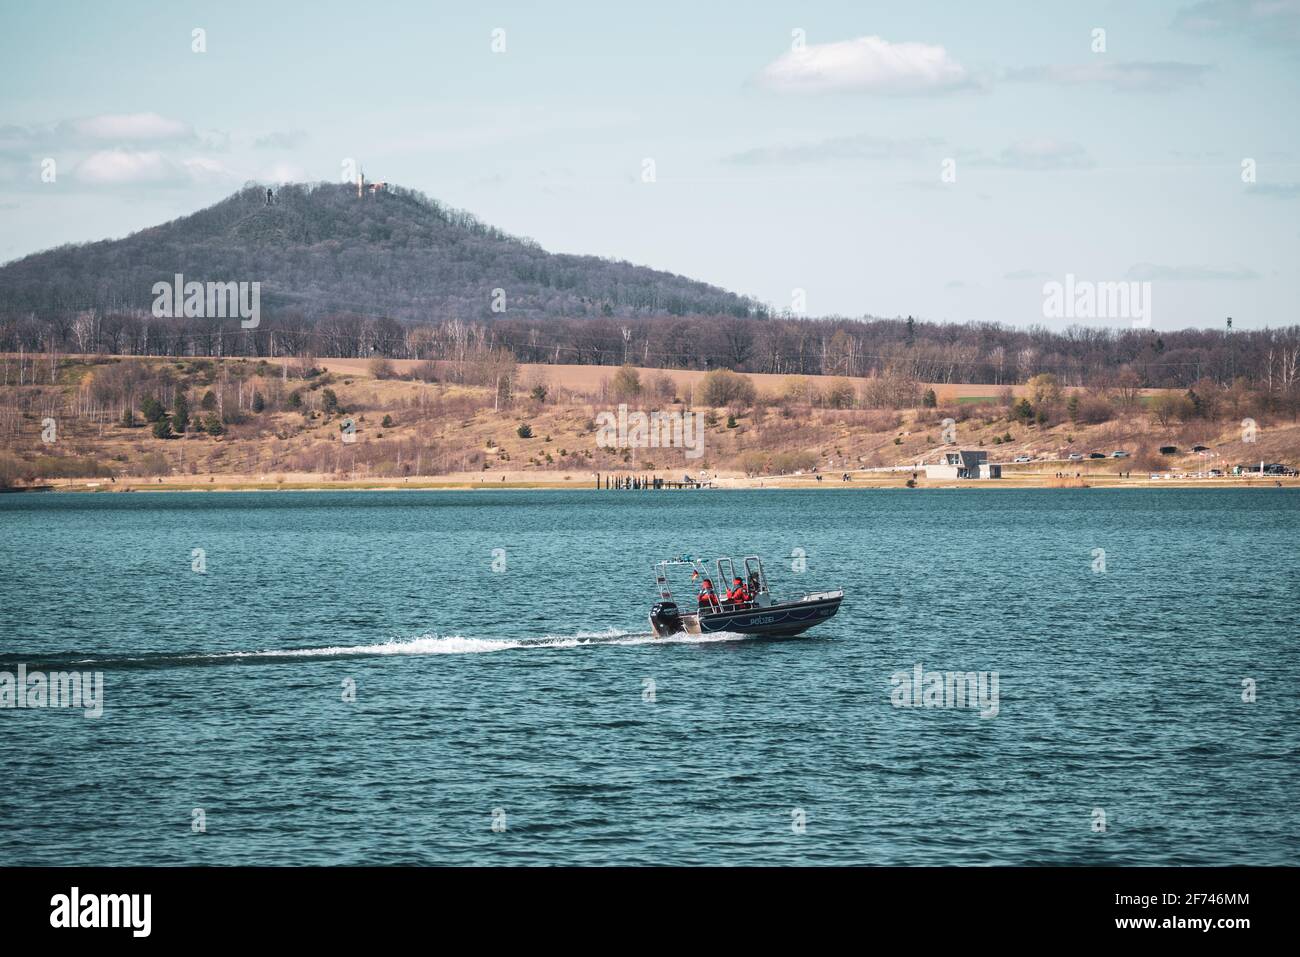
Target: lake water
[[530, 696]]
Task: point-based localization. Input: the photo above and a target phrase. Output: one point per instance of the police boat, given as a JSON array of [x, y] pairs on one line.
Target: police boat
[[753, 612]]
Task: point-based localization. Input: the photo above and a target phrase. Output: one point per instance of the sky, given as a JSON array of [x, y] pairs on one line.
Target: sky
[[947, 160]]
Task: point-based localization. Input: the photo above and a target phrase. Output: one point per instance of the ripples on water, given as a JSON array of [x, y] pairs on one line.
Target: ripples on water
[[525, 690]]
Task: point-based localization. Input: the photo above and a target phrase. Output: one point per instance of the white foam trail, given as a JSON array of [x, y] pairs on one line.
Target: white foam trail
[[462, 645], [432, 645], [428, 645], [681, 638], [448, 645]]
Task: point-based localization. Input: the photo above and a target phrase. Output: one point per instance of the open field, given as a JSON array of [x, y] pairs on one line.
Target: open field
[[588, 379]]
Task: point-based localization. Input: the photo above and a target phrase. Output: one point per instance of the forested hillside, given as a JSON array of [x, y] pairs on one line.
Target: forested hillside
[[320, 250]]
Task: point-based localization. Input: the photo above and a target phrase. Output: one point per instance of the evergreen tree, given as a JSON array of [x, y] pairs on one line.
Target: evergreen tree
[[152, 409], [181, 414]]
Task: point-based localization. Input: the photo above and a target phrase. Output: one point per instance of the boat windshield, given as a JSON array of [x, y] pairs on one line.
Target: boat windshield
[[754, 579]]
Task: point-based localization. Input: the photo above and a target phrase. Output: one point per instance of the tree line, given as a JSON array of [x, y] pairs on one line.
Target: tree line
[[988, 353]]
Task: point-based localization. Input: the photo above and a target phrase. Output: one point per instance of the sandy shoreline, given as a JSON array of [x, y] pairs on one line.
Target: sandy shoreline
[[587, 482]]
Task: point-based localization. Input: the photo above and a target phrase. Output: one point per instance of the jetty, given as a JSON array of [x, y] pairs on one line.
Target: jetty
[[643, 483]]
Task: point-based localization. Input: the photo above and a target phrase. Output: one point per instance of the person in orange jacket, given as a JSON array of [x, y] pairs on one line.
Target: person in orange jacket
[[737, 594], [708, 600]]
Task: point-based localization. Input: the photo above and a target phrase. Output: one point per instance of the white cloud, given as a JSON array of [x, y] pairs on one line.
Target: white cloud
[[1124, 77], [1040, 154], [1149, 271], [214, 141], [1268, 22], [280, 140], [148, 167], [284, 173], [17, 142], [133, 127], [116, 167], [1275, 190], [868, 65], [204, 169], [120, 130], [861, 147]]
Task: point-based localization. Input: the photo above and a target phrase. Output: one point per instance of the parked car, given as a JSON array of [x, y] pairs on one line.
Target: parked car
[[1168, 450], [1096, 455], [1216, 473], [1200, 448], [1023, 458], [1075, 456], [1119, 454]]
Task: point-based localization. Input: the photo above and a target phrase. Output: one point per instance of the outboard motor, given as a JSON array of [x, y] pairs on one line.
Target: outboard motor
[[665, 619]]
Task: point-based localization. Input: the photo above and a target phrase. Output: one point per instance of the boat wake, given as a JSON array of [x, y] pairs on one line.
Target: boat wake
[[461, 645], [429, 644]]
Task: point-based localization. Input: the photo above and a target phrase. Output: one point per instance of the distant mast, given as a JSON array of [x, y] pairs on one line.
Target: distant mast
[[373, 188]]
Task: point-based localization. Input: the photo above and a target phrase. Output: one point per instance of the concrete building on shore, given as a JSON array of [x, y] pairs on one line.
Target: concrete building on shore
[[966, 464]]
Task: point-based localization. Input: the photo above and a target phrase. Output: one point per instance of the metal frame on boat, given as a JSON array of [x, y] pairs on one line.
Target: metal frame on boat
[[762, 615]]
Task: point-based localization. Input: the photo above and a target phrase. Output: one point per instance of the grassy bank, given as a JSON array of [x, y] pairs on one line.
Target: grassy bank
[[110, 423]]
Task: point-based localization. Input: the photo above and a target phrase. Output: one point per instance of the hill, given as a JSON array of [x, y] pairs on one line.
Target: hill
[[320, 249]]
